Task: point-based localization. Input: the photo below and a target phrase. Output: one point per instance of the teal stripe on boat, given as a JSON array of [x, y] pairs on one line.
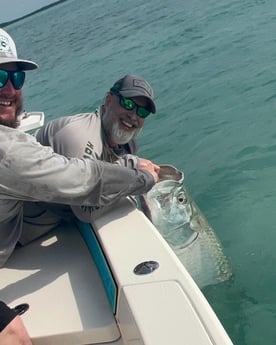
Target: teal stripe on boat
[[100, 261]]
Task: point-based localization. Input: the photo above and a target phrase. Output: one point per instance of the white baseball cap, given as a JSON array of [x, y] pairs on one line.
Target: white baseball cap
[[8, 53]]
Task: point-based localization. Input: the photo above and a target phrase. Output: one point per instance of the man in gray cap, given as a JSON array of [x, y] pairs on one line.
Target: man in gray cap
[[107, 134]]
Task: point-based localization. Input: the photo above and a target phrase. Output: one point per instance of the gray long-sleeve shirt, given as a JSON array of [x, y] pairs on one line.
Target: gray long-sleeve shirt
[[31, 172], [81, 135]]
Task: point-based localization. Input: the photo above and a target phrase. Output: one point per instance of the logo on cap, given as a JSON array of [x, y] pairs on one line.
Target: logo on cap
[[143, 85], [4, 46]]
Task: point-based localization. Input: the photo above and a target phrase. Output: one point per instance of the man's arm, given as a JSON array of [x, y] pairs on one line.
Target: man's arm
[[30, 171], [87, 213]]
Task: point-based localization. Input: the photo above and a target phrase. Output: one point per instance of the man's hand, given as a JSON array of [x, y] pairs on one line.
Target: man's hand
[[15, 333], [145, 164]]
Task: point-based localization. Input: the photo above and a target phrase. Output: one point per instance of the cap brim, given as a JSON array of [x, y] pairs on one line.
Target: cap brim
[[25, 65], [134, 93], [153, 109]]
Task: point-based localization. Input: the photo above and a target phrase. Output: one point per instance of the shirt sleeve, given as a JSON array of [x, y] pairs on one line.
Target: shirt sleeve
[[33, 172], [73, 136], [62, 135]]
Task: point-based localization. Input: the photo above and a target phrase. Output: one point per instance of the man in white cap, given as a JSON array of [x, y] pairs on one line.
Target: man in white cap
[[11, 69]]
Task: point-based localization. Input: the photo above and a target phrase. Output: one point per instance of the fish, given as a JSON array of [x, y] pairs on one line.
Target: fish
[[177, 217]]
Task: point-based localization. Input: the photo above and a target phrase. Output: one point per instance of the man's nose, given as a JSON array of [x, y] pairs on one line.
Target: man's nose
[[132, 113], [9, 87]]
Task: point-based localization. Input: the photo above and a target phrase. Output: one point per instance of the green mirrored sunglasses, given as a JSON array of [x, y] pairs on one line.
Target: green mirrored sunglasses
[[129, 104], [17, 78]]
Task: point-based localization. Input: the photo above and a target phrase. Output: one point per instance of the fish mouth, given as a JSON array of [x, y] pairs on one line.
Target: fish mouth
[[191, 240], [174, 238]]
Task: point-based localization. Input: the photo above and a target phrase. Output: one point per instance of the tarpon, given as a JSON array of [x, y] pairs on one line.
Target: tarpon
[[181, 223]]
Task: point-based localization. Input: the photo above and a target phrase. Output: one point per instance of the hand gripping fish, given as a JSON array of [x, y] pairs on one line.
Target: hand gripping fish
[[181, 223]]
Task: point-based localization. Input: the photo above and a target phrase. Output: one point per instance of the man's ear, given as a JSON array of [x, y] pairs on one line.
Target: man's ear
[[107, 99]]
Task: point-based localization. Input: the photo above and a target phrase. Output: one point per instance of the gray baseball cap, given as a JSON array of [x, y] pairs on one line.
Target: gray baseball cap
[[134, 86], [8, 53]]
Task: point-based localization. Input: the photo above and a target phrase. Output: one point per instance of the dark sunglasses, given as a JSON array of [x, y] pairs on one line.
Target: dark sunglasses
[[129, 104], [17, 78]]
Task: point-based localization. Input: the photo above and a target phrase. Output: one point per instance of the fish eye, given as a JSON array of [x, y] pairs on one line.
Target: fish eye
[[182, 198]]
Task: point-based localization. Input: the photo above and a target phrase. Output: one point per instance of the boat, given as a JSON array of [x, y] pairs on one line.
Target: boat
[[113, 281], [31, 120]]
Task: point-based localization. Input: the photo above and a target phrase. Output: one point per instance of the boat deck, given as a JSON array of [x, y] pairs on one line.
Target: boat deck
[[57, 277]]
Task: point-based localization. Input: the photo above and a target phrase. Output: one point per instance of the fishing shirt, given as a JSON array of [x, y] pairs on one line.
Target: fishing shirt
[[81, 135], [31, 172]]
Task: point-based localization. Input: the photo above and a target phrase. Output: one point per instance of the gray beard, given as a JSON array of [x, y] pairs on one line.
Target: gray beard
[[120, 137]]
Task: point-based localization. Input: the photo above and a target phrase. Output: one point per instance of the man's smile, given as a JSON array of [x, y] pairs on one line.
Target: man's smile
[[128, 124], [6, 103]]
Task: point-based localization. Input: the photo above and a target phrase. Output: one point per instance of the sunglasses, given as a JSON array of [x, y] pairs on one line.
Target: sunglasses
[[17, 78], [129, 104]]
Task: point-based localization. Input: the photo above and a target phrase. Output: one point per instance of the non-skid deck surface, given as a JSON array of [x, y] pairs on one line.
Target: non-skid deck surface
[[57, 277]]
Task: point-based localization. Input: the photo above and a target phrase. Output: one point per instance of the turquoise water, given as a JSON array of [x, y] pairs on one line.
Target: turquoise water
[[212, 65]]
